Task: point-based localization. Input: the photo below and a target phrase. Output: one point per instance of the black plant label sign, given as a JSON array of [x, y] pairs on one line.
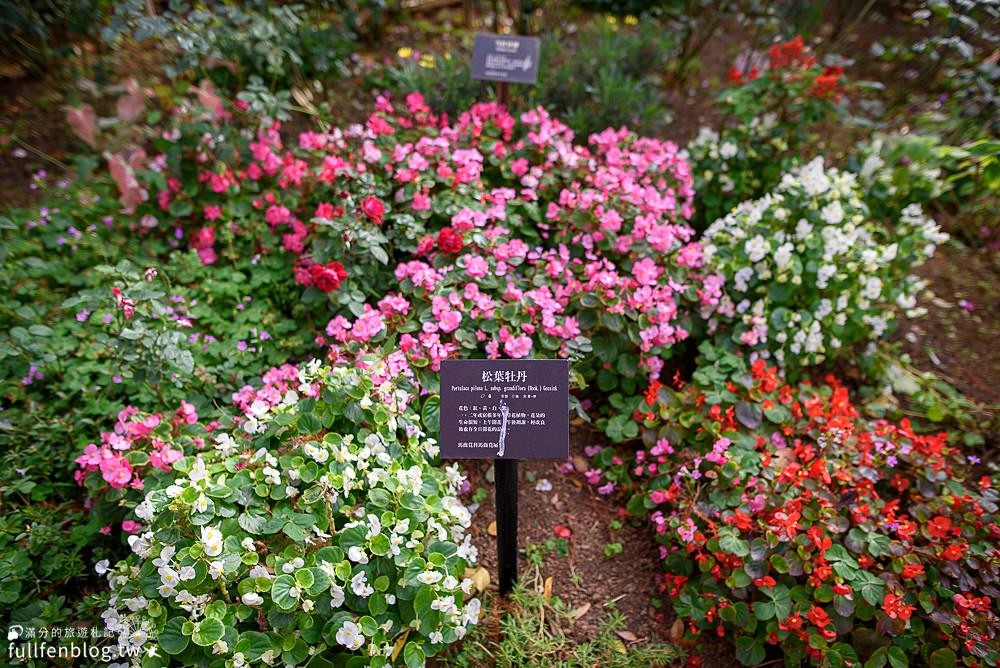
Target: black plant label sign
[[509, 58], [505, 409]]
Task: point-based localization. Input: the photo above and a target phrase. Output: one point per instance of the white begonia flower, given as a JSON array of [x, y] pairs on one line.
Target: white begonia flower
[[220, 647], [742, 278], [201, 504], [144, 511], [138, 638], [166, 554], [198, 471], [248, 544], [357, 554], [186, 573], [756, 248], [727, 150], [211, 539], [783, 256], [360, 586], [225, 444], [436, 637], [336, 596], [141, 545], [216, 569], [101, 567], [252, 598], [136, 603], [430, 577], [470, 614], [873, 288], [350, 636], [259, 571]]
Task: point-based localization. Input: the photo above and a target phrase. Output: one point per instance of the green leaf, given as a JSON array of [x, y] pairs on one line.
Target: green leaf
[[898, 658], [943, 658], [430, 414], [413, 655], [208, 632], [281, 592], [171, 639], [749, 651]]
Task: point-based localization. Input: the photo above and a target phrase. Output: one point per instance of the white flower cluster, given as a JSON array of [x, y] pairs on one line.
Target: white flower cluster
[[896, 170], [301, 521], [720, 157], [808, 272]]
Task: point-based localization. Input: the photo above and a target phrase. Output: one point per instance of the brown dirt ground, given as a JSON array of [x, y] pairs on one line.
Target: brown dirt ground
[[583, 577]]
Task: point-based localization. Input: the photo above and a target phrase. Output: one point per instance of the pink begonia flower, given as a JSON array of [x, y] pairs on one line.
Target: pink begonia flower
[[658, 496], [131, 526], [517, 347], [476, 266], [369, 324], [646, 271], [421, 202], [448, 321]]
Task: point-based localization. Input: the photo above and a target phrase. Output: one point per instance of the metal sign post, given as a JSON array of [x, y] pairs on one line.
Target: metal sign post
[[505, 410]]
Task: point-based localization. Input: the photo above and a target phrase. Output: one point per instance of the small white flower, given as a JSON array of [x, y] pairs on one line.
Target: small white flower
[[756, 248], [430, 577], [350, 636], [252, 598]]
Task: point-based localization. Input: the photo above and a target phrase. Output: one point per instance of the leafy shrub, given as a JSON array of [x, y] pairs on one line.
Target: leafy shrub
[[786, 520], [277, 45], [954, 60], [444, 80], [602, 78], [808, 273], [607, 78], [896, 170], [769, 109], [318, 529], [74, 354], [39, 30]]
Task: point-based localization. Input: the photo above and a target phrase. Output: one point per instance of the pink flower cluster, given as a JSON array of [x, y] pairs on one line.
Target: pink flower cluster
[[135, 431]]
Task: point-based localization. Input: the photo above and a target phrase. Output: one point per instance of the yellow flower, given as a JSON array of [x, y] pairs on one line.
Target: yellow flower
[[631, 20], [404, 52], [427, 61], [611, 19]]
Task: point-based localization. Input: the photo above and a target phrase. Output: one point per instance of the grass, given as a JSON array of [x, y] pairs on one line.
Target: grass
[[533, 629]]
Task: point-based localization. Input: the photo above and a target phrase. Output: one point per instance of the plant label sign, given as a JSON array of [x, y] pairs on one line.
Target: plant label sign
[[507, 58], [505, 409]]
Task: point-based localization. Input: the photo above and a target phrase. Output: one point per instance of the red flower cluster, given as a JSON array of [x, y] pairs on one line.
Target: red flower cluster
[[327, 277], [827, 85], [827, 521], [789, 55], [449, 240], [374, 208]]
